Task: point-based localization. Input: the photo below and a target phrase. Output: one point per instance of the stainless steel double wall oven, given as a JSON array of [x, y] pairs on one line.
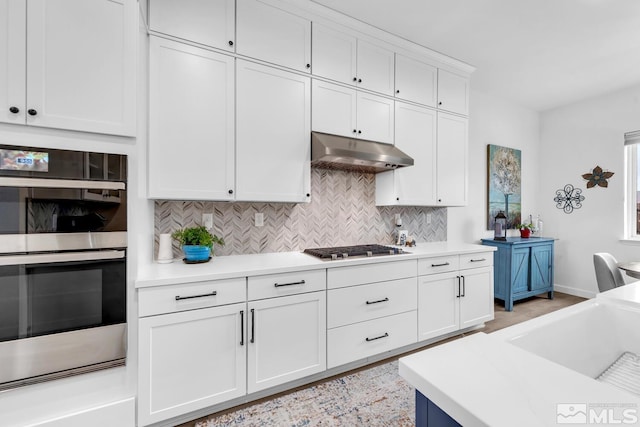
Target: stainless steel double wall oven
[[63, 240]]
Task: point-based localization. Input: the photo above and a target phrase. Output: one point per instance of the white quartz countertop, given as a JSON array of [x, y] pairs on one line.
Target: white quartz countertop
[[225, 267]]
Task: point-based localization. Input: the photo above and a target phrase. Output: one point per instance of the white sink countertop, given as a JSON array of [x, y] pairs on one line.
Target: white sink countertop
[[226, 267], [484, 379]]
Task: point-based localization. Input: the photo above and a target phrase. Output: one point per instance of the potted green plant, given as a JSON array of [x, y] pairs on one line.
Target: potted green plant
[[525, 229], [197, 243]]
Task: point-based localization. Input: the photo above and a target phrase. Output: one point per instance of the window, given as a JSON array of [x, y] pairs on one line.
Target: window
[[632, 217]]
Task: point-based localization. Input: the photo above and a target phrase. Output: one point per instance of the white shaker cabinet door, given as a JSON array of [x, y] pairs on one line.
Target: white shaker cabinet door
[[438, 305], [13, 22], [287, 339], [333, 109], [452, 160], [375, 117], [211, 23], [375, 68], [273, 131], [334, 54], [81, 65], [271, 34], [190, 360], [191, 123], [453, 92], [416, 81], [476, 301]]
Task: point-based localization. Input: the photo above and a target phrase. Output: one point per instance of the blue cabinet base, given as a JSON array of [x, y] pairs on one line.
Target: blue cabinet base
[[428, 414]]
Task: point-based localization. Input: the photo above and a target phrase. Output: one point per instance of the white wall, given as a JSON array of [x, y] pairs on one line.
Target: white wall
[[574, 139], [499, 122]]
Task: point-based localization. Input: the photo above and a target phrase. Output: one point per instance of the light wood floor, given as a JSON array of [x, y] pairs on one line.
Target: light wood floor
[[522, 310]]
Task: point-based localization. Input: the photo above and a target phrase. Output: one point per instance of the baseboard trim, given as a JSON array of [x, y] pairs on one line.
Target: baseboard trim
[[574, 291]]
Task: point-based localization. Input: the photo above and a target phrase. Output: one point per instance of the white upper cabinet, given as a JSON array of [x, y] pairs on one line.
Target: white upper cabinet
[[415, 131], [344, 111], [453, 92], [273, 147], [416, 81], [191, 122], [345, 58], [80, 64], [13, 71], [270, 34], [211, 23], [452, 160]]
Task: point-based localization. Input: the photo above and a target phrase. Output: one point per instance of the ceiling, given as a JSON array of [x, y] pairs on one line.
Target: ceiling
[[538, 53]]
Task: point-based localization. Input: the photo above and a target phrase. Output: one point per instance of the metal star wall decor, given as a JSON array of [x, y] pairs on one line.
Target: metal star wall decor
[[597, 177], [568, 198]]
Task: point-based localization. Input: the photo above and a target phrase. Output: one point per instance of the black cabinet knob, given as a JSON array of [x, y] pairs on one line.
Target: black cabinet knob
[[398, 198], [439, 200], [230, 42], [32, 112], [440, 103], [359, 132], [355, 131], [14, 110], [355, 79], [230, 191], [308, 195], [359, 80], [308, 65], [398, 91]]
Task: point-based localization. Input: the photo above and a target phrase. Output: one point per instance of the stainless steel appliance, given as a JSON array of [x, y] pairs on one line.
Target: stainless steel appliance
[[63, 240], [343, 252]]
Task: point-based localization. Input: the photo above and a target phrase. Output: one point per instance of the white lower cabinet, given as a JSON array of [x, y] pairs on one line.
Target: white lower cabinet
[[190, 360], [456, 299], [287, 339]]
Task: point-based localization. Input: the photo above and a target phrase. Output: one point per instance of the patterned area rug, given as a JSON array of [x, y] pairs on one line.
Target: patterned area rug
[[373, 397]]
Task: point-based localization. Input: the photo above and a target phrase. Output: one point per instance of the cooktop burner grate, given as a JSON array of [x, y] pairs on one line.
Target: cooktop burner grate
[[340, 252]]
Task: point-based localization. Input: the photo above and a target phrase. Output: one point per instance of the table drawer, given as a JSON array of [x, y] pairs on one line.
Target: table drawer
[[189, 296], [354, 342], [483, 259], [365, 302], [277, 285], [435, 265], [339, 277]]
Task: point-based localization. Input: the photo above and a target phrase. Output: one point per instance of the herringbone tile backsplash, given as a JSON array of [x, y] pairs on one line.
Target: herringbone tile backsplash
[[342, 211]]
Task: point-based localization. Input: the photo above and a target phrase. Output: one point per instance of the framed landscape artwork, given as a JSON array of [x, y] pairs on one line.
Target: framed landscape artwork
[[504, 175]]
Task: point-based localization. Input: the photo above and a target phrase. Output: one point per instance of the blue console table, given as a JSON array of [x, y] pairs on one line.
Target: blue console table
[[522, 268]]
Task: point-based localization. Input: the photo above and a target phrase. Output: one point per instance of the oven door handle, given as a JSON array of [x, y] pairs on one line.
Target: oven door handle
[[61, 257], [61, 183]]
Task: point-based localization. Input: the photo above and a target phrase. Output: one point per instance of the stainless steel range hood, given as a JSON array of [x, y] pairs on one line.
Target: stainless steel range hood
[[339, 152]]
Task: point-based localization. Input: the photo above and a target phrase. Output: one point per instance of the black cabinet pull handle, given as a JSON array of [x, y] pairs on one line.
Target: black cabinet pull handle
[[279, 285], [378, 301], [386, 334], [458, 277], [440, 265], [32, 112], [212, 294], [230, 42], [241, 327], [14, 110], [253, 325], [478, 260], [464, 286]]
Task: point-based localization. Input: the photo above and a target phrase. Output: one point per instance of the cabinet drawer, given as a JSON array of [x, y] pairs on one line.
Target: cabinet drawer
[[365, 302], [360, 340], [189, 296], [440, 264], [483, 259], [276, 285], [340, 277]]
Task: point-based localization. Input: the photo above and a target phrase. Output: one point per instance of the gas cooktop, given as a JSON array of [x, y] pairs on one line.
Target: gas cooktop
[[342, 252]]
